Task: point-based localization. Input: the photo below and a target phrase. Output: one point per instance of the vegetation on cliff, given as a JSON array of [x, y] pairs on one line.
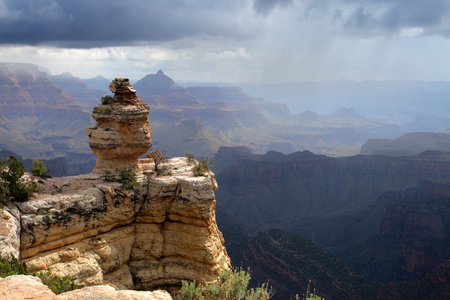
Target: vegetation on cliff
[[13, 188], [232, 285], [12, 266], [39, 169], [127, 178], [201, 168]]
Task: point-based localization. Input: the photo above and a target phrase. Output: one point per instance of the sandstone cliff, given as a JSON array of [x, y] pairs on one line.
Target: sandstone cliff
[[122, 133], [162, 232]]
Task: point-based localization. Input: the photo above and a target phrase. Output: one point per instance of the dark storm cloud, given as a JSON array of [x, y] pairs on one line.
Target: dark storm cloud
[[88, 23], [97, 23]]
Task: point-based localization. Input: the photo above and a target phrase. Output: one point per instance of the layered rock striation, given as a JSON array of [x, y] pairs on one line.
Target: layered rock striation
[[277, 190], [154, 236], [122, 133]]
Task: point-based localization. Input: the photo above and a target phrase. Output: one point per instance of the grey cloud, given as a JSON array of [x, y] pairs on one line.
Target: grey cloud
[[87, 23], [265, 6], [370, 17], [390, 17]]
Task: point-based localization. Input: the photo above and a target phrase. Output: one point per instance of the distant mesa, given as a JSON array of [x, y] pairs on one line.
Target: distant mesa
[[411, 143]]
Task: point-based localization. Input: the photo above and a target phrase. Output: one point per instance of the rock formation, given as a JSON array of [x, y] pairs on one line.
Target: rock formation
[[122, 132], [156, 235], [99, 232], [19, 287], [9, 232]]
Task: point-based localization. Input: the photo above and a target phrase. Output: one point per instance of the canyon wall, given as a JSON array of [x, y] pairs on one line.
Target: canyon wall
[[277, 190]]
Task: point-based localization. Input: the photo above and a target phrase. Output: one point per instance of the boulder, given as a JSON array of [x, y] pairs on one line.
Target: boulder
[[19, 287]]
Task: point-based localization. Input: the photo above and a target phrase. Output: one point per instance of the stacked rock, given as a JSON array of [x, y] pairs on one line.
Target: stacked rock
[[122, 133]]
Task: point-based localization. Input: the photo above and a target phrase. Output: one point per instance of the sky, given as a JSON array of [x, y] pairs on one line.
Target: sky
[[235, 41]]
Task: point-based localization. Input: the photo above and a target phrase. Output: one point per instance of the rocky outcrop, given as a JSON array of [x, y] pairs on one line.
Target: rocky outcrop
[[122, 132], [97, 231], [109, 293], [19, 287], [413, 236], [422, 226], [9, 232], [156, 235], [417, 219]]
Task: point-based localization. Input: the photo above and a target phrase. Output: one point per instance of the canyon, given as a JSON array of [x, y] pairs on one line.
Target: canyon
[[203, 118], [387, 218], [258, 189], [368, 220]]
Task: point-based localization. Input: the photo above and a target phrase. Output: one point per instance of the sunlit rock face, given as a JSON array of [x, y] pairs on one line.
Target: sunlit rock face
[[154, 236], [19, 287], [122, 132]]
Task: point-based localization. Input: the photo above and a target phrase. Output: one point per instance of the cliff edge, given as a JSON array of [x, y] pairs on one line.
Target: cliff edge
[[153, 236]]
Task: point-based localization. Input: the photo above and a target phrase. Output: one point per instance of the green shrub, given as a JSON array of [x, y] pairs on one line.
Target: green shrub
[[12, 266], [127, 178], [60, 188], [190, 291], [13, 187], [163, 171], [39, 169], [107, 99], [5, 198], [202, 167], [190, 158], [230, 286], [56, 284]]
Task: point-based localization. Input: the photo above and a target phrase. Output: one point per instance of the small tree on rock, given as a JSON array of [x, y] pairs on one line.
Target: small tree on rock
[[39, 169], [17, 188]]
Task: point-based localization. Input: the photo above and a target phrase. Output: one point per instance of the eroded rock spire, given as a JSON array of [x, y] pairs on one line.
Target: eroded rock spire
[[122, 132]]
